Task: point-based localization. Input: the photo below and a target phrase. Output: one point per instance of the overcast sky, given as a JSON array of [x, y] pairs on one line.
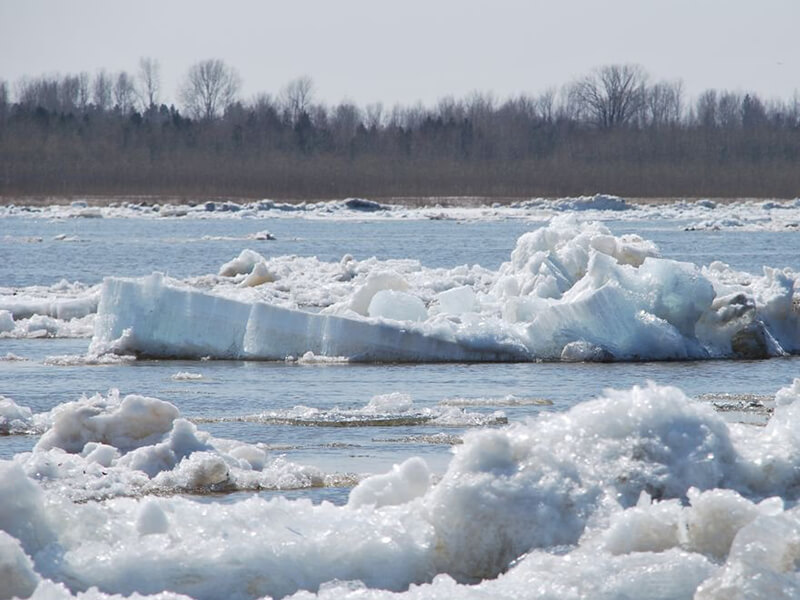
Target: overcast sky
[[412, 50]]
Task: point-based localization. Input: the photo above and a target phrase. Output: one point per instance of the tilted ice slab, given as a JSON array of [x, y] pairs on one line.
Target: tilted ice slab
[[571, 291], [161, 318], [640, 493]]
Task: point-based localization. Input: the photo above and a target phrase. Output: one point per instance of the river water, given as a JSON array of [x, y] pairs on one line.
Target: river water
[[321, 415], [183, 248]]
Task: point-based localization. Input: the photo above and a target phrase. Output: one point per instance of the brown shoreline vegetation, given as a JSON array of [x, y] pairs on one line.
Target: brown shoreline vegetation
[[611, 131]]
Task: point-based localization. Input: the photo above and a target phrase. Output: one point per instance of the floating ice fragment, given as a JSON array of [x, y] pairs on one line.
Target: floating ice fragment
[[641, 493], [6, 321], [388, 403], [263, 235], [242, 264], [363, 205], [13, 417], [583, 351], [126, 423], [259, 274]]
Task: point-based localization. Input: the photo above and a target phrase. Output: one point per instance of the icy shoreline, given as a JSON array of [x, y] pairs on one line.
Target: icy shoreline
[[694, 214]]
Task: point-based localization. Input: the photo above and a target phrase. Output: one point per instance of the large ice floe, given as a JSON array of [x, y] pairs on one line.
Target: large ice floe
[[571, 291], [637, 494]]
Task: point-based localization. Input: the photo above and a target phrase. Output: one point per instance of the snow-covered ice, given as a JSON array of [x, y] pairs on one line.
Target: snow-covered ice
[[570, 291], [640, 493], [106, 446]]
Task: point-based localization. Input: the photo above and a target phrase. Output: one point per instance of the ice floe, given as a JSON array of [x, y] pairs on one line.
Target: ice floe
[[106, 446], [571, 291], [61, 310]]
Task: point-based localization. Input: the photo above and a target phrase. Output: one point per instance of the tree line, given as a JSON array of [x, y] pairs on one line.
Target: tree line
[[613, 130]]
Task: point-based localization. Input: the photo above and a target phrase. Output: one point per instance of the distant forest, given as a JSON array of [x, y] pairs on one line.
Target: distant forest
[[613, 130]]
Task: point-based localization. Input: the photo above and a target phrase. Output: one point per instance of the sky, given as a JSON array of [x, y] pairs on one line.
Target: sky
[[415, 50]]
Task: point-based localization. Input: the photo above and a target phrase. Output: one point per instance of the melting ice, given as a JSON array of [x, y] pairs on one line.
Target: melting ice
[[571, 291], [641, 493]]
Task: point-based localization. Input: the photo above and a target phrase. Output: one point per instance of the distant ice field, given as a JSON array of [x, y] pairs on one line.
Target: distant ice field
[[137, 242]]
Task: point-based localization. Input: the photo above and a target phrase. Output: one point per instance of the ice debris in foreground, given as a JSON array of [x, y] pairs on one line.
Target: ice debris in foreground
[[571, 291], [106, 446], [641, 493]]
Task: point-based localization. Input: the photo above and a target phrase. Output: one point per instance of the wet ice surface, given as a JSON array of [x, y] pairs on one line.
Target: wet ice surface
[[236, 478]]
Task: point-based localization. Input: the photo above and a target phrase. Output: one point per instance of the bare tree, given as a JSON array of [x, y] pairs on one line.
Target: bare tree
[[4, 100], [707, 109], [753, 111], [729, 110], [124, 92], [344, 123], [374, 115], [480, 106], [209, 87], [264, 105], [102, 90], [39, 93], [545, 104], [663, 104], [611, 95], [568, 106], [68, 93], [84, 94], [149, 82], [297, 96], [449, 109], [793, 109]]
